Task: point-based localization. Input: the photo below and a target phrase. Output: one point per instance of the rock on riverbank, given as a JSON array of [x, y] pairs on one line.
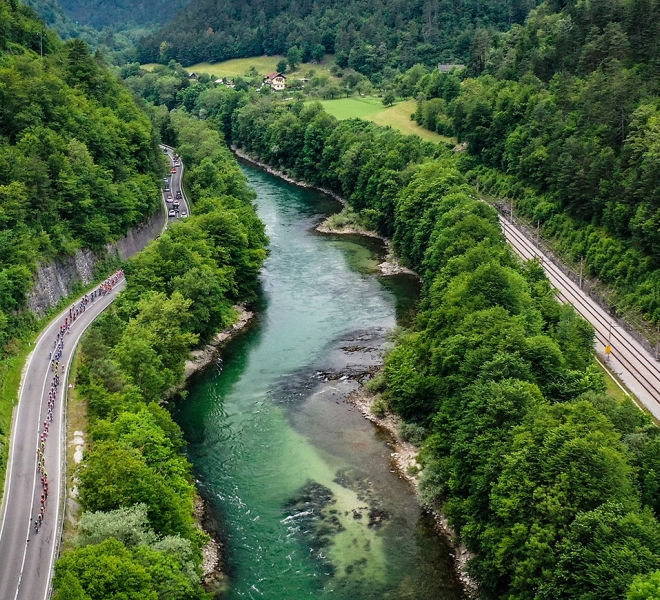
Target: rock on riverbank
[[205, 356], [390, 266], [213, 576], [404, 459]]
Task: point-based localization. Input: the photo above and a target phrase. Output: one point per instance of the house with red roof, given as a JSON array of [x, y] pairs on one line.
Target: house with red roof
[[277, 81]]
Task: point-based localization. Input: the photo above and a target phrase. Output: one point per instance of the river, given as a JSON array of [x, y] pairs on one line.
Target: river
[[310, 504]]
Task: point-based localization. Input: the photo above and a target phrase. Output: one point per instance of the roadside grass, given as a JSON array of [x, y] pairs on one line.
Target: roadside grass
[[371, 108], [612, 388], [11, 370], [76, 420]]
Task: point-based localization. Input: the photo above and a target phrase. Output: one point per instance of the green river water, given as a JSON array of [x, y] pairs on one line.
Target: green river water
[[303, 485]]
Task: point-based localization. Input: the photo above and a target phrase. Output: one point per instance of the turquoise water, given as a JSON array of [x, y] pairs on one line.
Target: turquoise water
[[302, 483]]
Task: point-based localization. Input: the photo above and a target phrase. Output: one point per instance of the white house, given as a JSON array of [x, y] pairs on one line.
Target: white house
[[276, 81]]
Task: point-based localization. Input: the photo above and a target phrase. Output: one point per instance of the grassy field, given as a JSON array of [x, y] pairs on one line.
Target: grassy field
[[372, 109], [353, 108], [238, 67], [368, 108]]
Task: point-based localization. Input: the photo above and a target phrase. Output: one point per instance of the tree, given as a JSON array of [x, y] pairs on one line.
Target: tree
[[113, 477], [293, 57], [281, 66], [129, 525], [645, 587], [103, 572], [602, 552], [318, 52], [389, 98]]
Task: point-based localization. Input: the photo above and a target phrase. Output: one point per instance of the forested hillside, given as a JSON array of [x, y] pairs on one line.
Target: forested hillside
[[137, 537], [364, 35], [121, 14], [79, 162], [549, 481], [564, 118]]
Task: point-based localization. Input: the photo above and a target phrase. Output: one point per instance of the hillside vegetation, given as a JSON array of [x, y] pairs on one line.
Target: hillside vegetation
[[121, 14], [564, 118], [364, 35], [137, 537], [79, 162]]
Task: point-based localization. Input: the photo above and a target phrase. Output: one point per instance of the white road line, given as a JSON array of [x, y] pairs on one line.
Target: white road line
[[17, 416], [65, 379], [57, 527]]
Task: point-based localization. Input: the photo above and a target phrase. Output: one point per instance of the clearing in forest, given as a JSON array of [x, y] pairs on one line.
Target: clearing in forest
[[370, 108]]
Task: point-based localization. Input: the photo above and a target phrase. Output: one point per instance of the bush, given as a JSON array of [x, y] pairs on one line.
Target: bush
[[379, 407], [415, 434]]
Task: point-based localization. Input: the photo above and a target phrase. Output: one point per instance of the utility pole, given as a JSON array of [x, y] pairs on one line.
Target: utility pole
[[581, 266], [42, 42], [512, 212]]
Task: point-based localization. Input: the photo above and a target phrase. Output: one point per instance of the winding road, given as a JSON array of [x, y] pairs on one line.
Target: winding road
[[27, 558], [628, 360]]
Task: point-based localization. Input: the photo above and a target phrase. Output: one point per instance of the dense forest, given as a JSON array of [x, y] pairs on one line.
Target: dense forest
[[563, 118], [365, 35], [547, 479], [136, 537], [116, 42], [79, 161], [121, 14]]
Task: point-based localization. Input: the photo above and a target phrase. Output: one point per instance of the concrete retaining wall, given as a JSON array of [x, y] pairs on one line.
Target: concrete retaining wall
[[56, 280]]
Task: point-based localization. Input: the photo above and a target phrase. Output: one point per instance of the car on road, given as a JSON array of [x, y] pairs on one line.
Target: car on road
[[184, 214], [179, 195], [171, 213], [173, 170], [175, 205], [169, 197], [166, 180]]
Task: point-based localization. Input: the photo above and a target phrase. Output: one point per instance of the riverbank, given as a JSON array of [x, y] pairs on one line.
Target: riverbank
[[207, 355], [214, 577], [404, 454], [404, 459], [390, 266]]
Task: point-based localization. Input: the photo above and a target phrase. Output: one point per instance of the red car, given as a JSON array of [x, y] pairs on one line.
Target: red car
[[172, 170]]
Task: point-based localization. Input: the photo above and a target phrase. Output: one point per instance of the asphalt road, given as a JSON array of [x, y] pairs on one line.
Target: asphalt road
[[175, 180], [634, 366], [26, 557]]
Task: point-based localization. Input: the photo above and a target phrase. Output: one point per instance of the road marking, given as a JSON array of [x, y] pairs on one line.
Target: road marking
[[34, 485], [16, 420], [59, 461]]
